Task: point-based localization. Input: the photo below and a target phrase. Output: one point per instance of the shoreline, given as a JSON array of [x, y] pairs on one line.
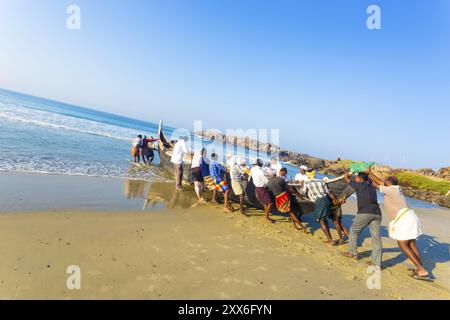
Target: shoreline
[[191, 253]]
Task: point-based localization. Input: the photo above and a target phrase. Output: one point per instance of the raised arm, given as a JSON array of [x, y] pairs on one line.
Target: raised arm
[[375, 184], [347, 177], [375, 178]]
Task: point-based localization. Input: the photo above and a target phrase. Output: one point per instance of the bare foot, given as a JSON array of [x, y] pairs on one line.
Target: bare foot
[[331, 243], [421, 272], [269, 220], [298, 225], [350, 255], [228, 209]]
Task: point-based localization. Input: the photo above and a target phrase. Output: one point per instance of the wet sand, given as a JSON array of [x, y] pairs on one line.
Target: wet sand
[[186, 253]]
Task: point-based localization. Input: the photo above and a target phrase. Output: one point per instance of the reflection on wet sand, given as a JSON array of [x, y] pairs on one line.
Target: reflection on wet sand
[[155, 193], [134, 189]]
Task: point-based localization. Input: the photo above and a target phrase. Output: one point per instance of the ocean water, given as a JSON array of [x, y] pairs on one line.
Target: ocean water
[[43, 136]]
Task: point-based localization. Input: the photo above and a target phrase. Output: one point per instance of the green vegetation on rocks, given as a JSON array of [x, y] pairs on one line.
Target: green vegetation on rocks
[[421, 182]]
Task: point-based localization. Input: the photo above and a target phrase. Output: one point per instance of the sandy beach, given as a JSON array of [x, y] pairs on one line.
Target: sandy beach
[[172, 251]]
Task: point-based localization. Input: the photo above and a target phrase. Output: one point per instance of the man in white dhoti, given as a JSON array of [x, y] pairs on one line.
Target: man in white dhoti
[[405, 225]]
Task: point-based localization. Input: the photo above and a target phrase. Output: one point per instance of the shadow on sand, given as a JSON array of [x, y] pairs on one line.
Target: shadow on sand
[[165, 195], [431, 249]]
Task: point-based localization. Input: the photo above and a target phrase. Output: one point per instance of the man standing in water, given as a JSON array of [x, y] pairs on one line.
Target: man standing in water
[[136, 149], [369, 214], [151, 148], [145, 151], [179, 151]]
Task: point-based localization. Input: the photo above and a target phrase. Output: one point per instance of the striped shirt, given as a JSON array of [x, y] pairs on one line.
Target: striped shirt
[[316, 189], [216, 170]]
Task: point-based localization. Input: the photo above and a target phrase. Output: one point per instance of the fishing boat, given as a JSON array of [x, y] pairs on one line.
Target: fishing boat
[[165, 148]]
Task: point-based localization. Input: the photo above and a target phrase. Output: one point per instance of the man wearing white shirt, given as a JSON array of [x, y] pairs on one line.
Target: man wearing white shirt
[[179, 151], [262, 191], [302, 175]]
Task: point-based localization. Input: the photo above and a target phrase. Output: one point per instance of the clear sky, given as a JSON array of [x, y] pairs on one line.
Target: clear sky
[[310, 68]]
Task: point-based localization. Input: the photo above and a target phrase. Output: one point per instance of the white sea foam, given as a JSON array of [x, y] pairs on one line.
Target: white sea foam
[[74, 168], [15, 113]]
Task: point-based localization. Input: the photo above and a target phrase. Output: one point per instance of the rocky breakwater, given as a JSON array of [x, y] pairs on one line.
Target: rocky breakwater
[[243, 142], [297, 159], [423, 184]]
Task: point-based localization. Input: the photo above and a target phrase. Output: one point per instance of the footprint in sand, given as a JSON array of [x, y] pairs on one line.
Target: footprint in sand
[[167, 277], [106, 288], [151, 288], [200, 269], [260, 268], [233, 262], [153, 277], [224, 295], [325, 289], [93, 273], [156, 248], [190, 244], [299, 269], [274, 288], [227, 279], [192, 262], [223, 246], [249, 283]]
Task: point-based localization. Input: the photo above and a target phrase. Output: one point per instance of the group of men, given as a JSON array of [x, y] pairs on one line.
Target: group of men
[[270, 181], [143, 147], [272, 190]]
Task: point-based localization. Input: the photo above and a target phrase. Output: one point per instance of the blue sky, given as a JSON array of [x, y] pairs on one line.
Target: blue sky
[[310, 68]]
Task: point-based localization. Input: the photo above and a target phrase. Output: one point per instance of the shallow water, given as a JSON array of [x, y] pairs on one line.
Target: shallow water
[[43, 136]]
